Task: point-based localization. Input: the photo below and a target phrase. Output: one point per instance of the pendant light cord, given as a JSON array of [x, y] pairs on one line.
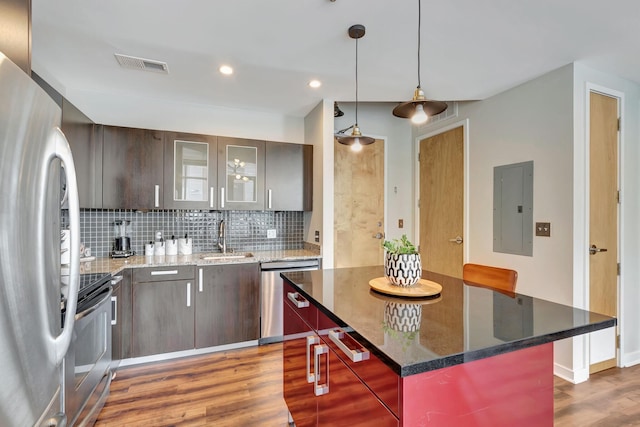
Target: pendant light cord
[[419, 25], [356, 82]]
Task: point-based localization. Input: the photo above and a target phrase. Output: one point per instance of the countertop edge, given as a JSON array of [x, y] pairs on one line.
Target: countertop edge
[[458, 358], [116, 265]]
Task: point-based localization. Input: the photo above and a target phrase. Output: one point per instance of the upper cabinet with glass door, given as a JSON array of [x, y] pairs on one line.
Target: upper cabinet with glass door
[[190, 171], [241, 174]]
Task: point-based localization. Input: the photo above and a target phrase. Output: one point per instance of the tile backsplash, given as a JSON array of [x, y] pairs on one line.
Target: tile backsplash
[[246, 230]]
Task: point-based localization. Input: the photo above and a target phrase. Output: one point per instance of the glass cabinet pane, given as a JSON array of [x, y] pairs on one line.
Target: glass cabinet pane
[[241, 174], [191, 171]]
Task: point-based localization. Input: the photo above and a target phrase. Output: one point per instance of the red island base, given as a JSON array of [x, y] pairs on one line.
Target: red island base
[[511, 389]]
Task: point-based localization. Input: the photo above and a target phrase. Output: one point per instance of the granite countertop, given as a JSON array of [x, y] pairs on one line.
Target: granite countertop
[[115, 265], [463, 324]]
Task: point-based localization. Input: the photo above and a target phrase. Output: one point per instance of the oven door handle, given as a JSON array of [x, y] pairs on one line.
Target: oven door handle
[[95, 306]]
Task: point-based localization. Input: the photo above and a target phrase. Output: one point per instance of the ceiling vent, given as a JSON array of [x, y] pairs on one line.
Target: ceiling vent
[[136, 63]]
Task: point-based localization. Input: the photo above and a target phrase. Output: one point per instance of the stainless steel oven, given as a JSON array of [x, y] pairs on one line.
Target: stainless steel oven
[[86, 371]]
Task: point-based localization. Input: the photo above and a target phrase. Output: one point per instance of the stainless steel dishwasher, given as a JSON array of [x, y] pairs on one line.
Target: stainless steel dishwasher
[[271, 295]]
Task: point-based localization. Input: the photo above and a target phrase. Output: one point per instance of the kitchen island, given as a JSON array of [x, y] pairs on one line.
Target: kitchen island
[[467, 357]]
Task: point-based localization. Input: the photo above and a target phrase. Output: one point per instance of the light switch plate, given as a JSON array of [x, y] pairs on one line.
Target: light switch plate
[[543, 229], [271, 234]]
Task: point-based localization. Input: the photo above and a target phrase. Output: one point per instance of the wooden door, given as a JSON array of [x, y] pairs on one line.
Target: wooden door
[[442, 202], [603, 224], [358, 205]]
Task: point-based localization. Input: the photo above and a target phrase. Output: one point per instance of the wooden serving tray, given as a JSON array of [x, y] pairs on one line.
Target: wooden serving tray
[[424, 288]]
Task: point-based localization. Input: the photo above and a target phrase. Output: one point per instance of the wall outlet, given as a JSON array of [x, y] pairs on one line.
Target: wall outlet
[[543, 229], [271, 234]]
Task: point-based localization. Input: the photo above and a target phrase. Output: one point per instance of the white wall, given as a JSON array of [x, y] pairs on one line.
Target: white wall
[[318, 125], [533, 121], [106, 108]]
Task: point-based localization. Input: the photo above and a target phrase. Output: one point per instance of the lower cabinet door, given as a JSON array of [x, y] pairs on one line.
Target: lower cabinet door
[[163, 317], [298, 391], [347, 401]]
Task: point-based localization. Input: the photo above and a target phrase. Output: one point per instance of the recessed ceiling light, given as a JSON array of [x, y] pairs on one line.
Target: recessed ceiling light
[[226, 70], [315, 84]]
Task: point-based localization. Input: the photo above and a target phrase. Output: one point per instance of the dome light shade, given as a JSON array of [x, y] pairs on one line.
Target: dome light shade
[[419, 106]]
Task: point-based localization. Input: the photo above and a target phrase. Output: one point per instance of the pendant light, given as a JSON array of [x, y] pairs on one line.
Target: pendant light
[[356, 140], [419, 109]]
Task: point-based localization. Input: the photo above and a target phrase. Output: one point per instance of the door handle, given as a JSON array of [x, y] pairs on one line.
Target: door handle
[[594, 250], [378, 235], [457, 240]]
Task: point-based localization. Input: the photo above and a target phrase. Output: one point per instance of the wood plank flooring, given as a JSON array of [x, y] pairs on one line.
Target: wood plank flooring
[[243, 387]]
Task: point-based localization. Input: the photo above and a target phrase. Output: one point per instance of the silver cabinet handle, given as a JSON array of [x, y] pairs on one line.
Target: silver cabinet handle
[[164, 272], [293, 296], [594, 250], [114, 309], [188, 294], [222, 197], [357, 355], [269, 198], [200, 273], [378, 235], [212, 193], [457, 240], [311, 340], [320, 389], [157, 196], [116, 279]]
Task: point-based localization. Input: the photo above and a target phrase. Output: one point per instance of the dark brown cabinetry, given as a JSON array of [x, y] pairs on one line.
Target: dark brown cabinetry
[[227, 304], [289, 176], [121, 318], [163, 310], [241, 174], [15, 32], [319, 387], [133, 168], [85, 140], [190, 171]]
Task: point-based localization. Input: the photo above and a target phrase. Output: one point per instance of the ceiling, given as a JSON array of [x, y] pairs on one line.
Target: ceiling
[[470, 49]]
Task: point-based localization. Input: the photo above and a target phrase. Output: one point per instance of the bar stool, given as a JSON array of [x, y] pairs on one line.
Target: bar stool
[[496, 278]]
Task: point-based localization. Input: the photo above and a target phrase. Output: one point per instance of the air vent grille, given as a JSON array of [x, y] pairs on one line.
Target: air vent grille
[[136, 63], [450, 112]]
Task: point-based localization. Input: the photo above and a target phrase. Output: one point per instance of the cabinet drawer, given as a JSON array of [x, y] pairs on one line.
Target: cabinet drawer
[[300, 305], [372, 371], [162, 274]]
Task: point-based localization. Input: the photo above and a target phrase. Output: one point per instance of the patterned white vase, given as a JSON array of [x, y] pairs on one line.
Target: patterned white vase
[[402, 269], [402, 317]]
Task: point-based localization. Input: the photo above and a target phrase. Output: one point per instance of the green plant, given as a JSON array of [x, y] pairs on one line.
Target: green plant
[[400, 246]]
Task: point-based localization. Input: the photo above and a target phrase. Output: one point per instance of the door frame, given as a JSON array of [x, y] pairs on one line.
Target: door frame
[[416, 187], [583, 253]]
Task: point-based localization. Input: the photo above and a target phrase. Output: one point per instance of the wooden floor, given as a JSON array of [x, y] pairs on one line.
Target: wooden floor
[[244, 388]]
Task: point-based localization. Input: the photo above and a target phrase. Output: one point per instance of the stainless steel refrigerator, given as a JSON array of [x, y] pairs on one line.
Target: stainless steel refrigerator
[[32, 342]]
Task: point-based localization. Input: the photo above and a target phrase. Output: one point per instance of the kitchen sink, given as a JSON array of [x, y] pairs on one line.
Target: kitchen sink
[[227, 256]]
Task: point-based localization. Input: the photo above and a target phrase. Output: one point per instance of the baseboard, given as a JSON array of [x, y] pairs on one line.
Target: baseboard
[[185, 353], [630, 359], [575, 377]]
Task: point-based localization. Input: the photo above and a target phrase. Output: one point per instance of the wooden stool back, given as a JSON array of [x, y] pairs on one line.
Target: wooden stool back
[[501, 279]]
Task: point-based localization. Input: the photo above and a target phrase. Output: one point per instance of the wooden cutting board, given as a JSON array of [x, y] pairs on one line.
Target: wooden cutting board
[[424, 288]]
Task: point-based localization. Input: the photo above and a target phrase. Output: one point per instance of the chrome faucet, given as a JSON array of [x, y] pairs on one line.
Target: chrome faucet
[[222, 237]]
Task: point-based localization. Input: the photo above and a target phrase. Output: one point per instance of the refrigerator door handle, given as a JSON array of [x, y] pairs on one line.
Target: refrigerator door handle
[[62, 151]]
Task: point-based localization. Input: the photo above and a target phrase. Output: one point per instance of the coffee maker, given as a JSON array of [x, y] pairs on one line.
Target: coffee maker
[[122, 241]]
